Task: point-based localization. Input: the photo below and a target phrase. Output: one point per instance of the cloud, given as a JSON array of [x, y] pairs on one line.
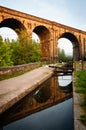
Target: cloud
[[71, 13]]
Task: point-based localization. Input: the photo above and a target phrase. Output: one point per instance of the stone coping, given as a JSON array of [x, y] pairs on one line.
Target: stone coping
[[14, 89]]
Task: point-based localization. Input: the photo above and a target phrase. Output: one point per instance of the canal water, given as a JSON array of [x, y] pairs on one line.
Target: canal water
[[49, 107]]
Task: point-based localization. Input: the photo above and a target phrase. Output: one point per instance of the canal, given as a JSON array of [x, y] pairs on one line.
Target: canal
[[49, 107]]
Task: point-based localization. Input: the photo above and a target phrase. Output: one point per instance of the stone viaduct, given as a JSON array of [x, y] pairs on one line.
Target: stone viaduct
[[49, 33]]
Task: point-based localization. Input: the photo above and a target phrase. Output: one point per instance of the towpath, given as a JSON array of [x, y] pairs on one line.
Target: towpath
[[13, 89]]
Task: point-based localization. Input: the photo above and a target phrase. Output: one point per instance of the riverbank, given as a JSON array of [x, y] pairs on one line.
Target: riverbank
[[77, 99], [14, 89]]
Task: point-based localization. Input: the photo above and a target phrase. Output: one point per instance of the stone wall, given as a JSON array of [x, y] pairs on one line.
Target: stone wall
[[11, 70]]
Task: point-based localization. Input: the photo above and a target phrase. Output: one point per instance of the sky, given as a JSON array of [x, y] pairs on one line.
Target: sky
[[68, 12]]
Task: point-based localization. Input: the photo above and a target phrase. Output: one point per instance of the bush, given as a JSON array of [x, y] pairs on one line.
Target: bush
[[19, 52]]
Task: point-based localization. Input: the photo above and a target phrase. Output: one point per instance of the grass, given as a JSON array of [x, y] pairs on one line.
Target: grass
[[80, 84], [83, 119]]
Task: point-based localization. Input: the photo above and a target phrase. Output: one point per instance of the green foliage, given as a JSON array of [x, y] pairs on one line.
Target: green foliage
[[33, 51], [18, 52], [5, 53], [83, 119], [80, 84], [1, 40], [81, 90], [69, 58], [81, 79], [62, 56]]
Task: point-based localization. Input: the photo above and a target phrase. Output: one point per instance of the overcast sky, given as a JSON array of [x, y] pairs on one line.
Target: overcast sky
[[68, 12]]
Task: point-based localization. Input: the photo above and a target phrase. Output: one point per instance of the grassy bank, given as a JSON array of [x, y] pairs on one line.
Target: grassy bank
[[80, 84]]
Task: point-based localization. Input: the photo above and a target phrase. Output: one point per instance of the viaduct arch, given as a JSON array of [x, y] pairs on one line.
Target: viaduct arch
[[48, 32]]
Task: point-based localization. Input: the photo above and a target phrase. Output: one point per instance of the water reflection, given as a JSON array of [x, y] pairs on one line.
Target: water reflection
[[44, 92], [47, 94], [65, 83]]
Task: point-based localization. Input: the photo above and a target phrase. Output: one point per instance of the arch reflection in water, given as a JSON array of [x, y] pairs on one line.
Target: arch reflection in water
[[44, 92], [65, 83], [46, 95]]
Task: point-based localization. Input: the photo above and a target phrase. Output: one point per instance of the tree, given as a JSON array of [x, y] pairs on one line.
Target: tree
[[61, 54], [63, 57], [21, 51], [5, 54], [25, 50], [1, 40]]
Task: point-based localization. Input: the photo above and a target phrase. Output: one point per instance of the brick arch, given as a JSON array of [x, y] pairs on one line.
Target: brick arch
[[44, 36], [75, 43], [48, 31], [14, 24]]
